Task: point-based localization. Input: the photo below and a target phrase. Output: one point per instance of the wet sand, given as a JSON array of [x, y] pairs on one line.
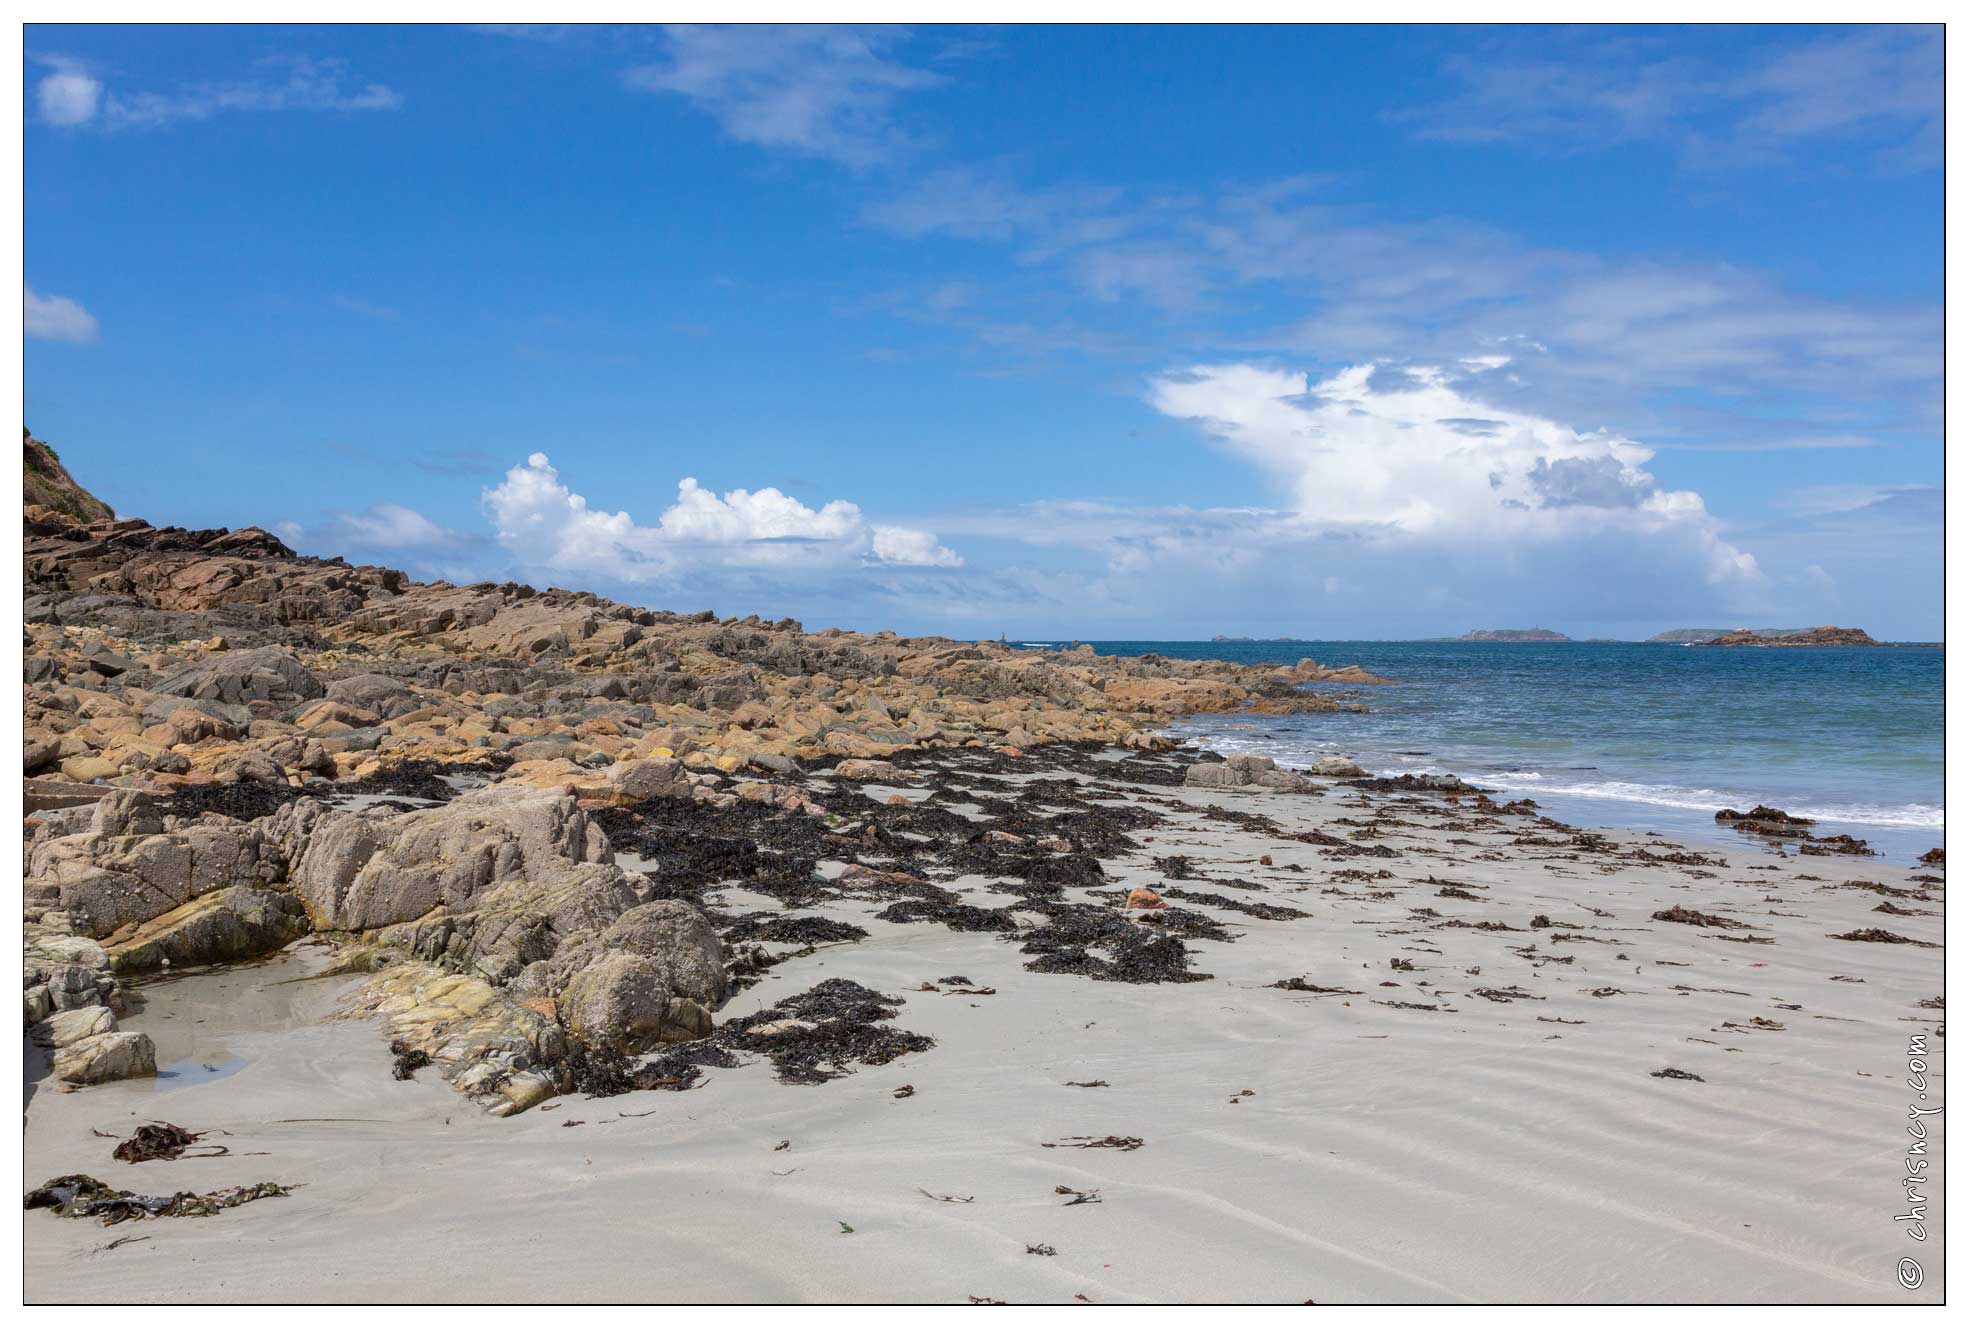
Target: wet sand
[[1416, 1142]]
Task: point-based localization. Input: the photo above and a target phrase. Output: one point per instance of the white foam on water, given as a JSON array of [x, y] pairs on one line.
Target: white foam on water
[[1919, 816]]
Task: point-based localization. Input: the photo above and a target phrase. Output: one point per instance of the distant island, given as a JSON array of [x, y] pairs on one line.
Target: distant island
[[1506, 634], [1692, 635], [1224, 638], [1825, 636]]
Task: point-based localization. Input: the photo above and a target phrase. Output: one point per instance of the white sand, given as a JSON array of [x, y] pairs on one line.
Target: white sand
[[1386, 1154]]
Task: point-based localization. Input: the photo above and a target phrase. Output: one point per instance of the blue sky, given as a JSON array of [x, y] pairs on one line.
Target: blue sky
[[1065, 331]]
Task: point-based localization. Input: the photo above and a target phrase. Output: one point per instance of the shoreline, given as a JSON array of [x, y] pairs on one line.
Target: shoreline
[[1521, 1143]]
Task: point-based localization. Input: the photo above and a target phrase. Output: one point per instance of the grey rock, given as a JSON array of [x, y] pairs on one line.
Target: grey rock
[[235, 678], [104, 1057], [73, 986], [359, 872], [72, 1026], [106, 881], [386, 696], [237, 923], [126, 812], [1245, 771], [622, 1001]]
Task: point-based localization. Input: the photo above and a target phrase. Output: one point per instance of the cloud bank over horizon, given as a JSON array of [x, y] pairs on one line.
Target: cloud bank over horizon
[[1405, 505]]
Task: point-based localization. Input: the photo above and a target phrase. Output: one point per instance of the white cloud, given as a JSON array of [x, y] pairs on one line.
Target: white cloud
[[72, 95], [393, 526], [67, 95], [1879, 87], [917, 549], [1406, 505], [1367, 448], [547, 525], [822, 91], [57, 318]]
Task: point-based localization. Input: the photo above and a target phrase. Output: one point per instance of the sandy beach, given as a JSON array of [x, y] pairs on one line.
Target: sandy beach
[[1476, 1113]]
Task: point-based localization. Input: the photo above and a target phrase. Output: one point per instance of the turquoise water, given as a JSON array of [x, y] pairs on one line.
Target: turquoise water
[[1654, 737]]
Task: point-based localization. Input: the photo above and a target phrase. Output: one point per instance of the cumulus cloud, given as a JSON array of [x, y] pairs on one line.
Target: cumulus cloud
[[1407, 504], [919, 549], [67, 94], [57, 318], [821, 91], [1364, 449], [701, 536]]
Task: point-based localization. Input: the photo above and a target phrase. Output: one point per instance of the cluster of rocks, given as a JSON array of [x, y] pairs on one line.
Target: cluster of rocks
[[71, 1001], [165, 656], [1250, 771], [202, 706], [506, 901], [1775, 824]]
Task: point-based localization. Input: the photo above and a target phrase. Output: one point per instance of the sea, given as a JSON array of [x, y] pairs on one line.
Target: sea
[[1648, 736]]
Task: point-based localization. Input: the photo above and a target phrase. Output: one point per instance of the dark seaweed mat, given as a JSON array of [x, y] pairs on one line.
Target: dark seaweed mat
[[952, 914], [850, 1028], [1273, 912], [694, 847], [245, 801], [249, 800], [797, 929], [419, 779], [1129, 952]]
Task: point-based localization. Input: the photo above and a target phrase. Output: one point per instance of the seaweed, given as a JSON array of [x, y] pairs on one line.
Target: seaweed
[[422, 779], [409, 1060], [1879, 935], [952, 913], [161, 1140], [247, 800], [1272, 912], [799, 929], [810, 1038], [82, 1196], [1132, 953], [1697, 919], [845, 1023], [1301, 985]]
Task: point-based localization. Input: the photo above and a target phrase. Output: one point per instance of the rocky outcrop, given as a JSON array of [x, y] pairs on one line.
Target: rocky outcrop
[[128, 869], [488, 1046], [1245, 771], [654, 975], [46, 483], [267, 674], [147, 627], [230, 925], [358, 873]]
